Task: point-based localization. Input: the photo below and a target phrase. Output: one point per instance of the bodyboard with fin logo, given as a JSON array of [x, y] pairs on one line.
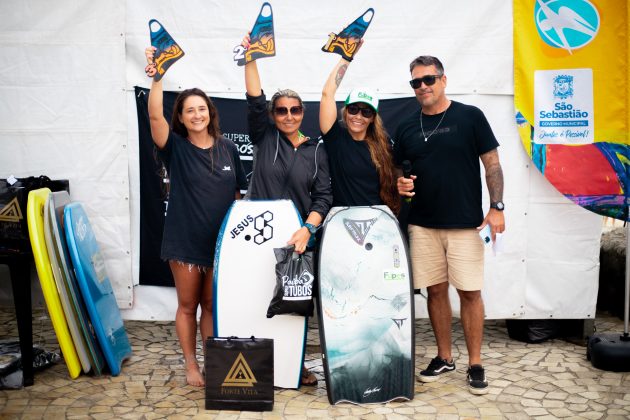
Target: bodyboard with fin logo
[[366, 307], [347, 42], [167, 53], [262, 39]]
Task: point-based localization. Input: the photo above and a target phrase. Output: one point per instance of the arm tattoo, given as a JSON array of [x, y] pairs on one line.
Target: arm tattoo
[[340, 73], [494, 175]]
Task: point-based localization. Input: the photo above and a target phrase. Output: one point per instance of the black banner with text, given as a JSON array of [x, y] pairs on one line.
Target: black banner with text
[[233, 123]]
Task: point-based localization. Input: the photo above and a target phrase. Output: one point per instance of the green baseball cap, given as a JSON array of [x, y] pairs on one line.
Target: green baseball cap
[[367, 96]]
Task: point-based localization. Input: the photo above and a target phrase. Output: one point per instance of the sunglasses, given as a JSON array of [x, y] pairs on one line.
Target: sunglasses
[[427, 80], [283, 110], [354, 110]]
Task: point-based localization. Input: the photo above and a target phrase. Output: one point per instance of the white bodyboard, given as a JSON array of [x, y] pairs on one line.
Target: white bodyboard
[[245, 278]]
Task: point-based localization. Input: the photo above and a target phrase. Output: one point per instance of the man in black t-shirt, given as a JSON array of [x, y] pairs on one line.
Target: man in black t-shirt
[[443, 143]]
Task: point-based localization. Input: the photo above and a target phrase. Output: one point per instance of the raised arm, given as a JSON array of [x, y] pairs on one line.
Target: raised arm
[[159, 125], [252, 78], [327, 106]]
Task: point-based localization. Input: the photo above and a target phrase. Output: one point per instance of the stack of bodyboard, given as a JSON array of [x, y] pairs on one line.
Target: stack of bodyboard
[[76, 289]]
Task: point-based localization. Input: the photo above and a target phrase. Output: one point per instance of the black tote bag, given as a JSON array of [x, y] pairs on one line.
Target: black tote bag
[[239, 374], [13, 197]]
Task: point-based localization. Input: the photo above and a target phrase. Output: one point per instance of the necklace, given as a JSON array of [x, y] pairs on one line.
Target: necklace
[[436, 127]]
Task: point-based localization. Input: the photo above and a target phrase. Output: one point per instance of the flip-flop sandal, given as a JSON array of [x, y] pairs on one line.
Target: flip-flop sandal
[[306, 375]]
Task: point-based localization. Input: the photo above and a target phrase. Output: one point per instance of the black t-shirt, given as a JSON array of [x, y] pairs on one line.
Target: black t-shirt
[[203, 184], [447, 166], [354, 178]]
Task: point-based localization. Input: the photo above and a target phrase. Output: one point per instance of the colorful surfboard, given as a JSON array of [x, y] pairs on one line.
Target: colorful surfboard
[[262, 39], [366, 311], [347, 42], [58, 200], [167, 53], [97, 292], [245, 278], [35, 220]]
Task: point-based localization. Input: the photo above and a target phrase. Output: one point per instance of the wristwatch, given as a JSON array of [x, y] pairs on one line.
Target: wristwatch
[[311, 228], [498, 205]]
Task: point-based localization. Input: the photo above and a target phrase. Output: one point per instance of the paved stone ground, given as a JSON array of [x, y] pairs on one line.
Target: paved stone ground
[[548, 380]]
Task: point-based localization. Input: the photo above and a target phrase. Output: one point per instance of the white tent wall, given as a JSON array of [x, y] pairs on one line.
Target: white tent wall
[[63, 112], [74, 119]]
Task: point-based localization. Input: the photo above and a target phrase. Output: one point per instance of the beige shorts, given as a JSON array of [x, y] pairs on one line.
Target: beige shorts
[[453, 255]]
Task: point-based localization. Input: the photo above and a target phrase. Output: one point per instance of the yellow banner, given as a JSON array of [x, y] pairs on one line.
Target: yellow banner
[[571, 96]]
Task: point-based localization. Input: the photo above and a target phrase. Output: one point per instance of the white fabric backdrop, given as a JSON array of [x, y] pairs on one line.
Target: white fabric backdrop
[[63, 112], [67, 110]]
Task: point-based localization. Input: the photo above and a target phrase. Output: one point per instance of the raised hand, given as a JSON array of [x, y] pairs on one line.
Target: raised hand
[[151, 68]]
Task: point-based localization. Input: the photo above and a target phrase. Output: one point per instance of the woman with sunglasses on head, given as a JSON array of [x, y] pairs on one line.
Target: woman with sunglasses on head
[[359, 151], [205, 176], [287, 164]]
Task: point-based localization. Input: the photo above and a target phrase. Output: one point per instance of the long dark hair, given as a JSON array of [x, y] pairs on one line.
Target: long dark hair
[[178, 127], [213, 127], [381, 154]]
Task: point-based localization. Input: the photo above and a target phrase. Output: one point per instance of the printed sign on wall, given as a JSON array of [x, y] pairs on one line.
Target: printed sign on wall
[[571, 97], [563, 106]]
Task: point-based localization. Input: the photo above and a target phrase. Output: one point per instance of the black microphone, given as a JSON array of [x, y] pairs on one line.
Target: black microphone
[[406, 167]]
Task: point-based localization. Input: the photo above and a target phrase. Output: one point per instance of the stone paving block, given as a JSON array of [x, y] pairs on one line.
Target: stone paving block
[[297, 402], [557, 395], [448, 417], [525, 402], [514, 390], [426, 409], [552, 404], [35, 412], [404, 410], [561, 412], [511, 399], [446, 409], [373, 417], [577, 408], [546, 387], [536, 411], [396, 416], [574, 389], [596, 406], [617, 412], [592, 415], [469, 413]]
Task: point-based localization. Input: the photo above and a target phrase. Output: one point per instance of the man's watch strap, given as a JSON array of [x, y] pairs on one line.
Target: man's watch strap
[[497, 205]]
